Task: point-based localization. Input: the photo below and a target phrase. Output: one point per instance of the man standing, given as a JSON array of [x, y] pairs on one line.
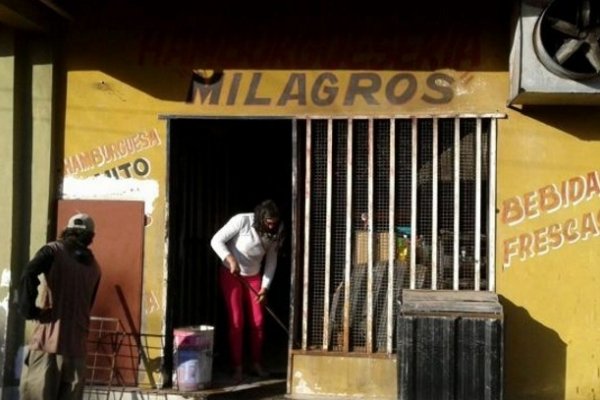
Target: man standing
[[60, 304]]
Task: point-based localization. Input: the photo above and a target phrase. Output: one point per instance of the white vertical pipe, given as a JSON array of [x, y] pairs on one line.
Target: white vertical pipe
[[434, 206], [294, 237], [477, 251], [348, 264], [491, 243], [456, 227], [413, 205], [370, 240], [328, 218], [307, 194], [391, 239]]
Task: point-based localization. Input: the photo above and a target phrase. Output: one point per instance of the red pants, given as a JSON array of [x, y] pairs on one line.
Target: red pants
[[241, 302]]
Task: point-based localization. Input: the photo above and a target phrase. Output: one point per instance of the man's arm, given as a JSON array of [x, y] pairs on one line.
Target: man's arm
[[40, 263]]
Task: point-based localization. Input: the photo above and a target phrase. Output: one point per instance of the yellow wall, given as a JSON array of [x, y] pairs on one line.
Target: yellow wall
[[344, 377], [122, 80], [113, 127], [7, 85], [549, 285]]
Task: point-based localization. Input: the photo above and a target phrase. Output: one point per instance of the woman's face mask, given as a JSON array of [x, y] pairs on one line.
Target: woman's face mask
[[271, 225]]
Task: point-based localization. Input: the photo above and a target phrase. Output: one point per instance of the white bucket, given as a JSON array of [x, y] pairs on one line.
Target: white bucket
[[193, 349]]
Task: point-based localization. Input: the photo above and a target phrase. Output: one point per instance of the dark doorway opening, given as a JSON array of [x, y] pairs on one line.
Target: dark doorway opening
[[217, 168]]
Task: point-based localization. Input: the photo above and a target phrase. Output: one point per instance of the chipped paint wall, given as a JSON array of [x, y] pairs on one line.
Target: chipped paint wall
[[122, 77], [114, 149]]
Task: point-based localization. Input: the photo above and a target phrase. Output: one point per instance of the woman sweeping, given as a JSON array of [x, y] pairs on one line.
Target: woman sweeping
[[242, 244]]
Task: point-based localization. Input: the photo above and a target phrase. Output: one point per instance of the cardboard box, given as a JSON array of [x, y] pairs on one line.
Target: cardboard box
[[360, 250]]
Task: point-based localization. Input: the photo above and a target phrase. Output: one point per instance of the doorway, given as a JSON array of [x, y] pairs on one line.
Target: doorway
[[216, 169], [118, 247]]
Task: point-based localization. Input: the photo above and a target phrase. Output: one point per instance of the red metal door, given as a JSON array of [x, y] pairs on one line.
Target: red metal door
[[118, 247]]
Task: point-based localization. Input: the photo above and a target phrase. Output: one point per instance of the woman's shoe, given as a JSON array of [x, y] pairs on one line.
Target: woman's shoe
[[259, 371], [237, 376]]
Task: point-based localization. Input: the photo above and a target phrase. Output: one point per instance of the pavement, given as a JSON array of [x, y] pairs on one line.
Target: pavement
[[220, 388]]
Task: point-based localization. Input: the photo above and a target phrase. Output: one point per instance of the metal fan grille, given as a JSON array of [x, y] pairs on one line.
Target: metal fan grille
[[567, 38]]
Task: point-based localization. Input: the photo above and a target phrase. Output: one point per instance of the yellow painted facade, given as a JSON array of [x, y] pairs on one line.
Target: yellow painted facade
[[119, 87], [548, 289], [102, 111]]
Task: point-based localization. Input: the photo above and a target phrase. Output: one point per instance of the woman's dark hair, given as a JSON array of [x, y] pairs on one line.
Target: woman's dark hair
[[264, 210]]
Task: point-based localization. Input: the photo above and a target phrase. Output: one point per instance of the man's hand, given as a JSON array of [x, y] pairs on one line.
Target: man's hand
[[232, 264]]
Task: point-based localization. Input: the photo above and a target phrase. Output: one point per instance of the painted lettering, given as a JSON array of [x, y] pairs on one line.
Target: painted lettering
[[362, 89], [201, 91], [97, 156], [295, 89], [235, 87], [469, 53], [100, 156], [588, 226], [151, 48], [140, 168], [525, 246], [320, 86], [544, 239], [593, 186], [442, 84], [555, 236], [365, 85], [452, 46], [576, 190], [406, 94], [549, 199], [125, 169], [540, 241], [511, 249], [512, 211], [252, 98], [571, 233], [530, 205]]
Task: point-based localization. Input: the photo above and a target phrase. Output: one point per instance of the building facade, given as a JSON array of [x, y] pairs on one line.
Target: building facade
[[472, 131]]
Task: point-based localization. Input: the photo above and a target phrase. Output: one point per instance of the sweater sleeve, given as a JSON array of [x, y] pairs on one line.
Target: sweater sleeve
[[224, 235], [270, 265]]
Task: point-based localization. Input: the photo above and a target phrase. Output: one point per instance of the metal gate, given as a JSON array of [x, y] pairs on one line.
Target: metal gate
[[384, 204]]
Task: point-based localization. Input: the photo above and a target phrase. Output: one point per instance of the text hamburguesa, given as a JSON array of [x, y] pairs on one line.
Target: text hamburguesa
[[105, 154]]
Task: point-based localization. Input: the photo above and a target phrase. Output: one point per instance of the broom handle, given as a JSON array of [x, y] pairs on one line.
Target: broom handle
[[266, 306]]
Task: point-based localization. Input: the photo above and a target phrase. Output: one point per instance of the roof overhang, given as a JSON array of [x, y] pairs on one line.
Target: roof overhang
[[33, 15]]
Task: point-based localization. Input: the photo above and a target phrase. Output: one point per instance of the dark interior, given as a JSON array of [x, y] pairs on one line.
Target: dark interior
[[217, 168]]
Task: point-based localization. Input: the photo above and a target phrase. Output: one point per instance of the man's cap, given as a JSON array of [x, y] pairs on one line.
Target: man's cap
[[81, 221]]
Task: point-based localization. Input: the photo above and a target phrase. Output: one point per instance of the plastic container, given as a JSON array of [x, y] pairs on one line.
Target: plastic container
[[193, 354]]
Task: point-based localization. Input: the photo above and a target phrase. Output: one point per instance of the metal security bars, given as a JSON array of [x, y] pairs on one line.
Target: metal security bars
[[389, 203]]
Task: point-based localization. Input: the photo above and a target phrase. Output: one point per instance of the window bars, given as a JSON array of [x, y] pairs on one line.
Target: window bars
[[389, 203]]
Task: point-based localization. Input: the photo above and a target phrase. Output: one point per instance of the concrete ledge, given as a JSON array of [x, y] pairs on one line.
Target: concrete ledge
[[337, 376]]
